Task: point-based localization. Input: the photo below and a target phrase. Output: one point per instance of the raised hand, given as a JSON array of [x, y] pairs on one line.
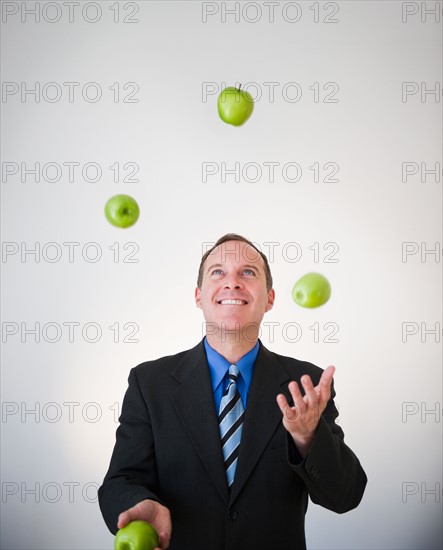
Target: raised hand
[[301, 420]]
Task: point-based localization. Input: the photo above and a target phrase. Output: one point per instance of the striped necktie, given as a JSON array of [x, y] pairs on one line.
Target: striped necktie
[[230, 418]]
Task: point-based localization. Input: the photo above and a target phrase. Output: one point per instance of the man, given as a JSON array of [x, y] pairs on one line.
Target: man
[[219, 446]]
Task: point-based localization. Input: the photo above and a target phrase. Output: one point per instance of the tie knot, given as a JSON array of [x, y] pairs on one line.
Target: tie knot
[[233, 372]]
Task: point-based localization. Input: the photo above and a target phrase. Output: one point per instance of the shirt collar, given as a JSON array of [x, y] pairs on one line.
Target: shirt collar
[[219, 366]]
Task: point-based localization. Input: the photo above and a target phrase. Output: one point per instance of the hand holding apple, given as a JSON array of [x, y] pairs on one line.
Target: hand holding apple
[[137, 535], [235, 106], [152, 512], [312, 290]]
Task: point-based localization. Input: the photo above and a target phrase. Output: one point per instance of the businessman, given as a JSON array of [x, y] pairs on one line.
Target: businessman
[[220, 446]]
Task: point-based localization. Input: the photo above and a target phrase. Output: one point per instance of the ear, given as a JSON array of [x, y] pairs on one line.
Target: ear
[[198, 298], [271, 298]]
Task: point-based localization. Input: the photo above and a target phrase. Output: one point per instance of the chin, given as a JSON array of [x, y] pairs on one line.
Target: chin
[[249, 328], [231, 326]]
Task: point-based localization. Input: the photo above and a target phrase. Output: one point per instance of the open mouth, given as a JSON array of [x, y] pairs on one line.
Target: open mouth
[[230, 302]]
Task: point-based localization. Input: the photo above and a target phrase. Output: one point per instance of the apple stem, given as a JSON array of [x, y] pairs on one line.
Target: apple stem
[[239, 88]]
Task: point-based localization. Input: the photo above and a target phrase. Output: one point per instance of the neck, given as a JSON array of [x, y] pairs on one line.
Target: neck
[[231, 345]]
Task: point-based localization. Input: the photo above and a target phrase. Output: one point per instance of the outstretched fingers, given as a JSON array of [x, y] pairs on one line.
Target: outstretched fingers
[[285, 407], [324, 386]]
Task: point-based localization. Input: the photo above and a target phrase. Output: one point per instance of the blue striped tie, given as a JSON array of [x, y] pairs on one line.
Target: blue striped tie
[[230, 418]]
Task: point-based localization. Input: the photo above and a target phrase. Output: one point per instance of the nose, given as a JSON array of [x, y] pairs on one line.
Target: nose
[[233, 282]]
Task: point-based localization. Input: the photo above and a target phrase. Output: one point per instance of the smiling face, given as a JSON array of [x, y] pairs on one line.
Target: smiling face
[[233, 294]]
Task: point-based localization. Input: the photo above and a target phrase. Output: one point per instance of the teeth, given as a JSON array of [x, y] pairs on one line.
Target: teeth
[[232, 302]]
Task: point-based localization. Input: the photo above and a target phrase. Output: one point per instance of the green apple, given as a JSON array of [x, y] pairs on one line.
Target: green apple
[[122, 211], [235, 106], [312, 290], [136, 535]]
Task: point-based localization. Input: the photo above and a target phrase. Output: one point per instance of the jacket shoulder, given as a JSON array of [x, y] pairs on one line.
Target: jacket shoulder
[[167, 363], [296, 367]]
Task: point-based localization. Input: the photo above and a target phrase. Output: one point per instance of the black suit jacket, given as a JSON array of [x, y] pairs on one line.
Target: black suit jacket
[[168, 449]]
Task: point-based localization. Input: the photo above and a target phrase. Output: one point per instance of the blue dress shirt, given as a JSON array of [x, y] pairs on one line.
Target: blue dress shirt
[[219, 366]]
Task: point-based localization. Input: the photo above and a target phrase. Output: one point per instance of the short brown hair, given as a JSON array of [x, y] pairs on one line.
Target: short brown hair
[[234, 237]]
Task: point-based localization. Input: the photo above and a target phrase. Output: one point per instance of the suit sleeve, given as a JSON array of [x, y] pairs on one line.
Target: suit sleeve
[[131, 476], [331, 472]]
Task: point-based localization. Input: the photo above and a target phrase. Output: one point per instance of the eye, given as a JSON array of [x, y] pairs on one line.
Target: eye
[[217, 272], [249, 272]]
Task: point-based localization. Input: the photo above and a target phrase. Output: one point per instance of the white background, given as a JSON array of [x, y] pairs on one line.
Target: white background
[[378, 234]]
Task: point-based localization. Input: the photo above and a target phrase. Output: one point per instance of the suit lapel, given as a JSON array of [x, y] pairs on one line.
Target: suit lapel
[[262, 416], [194, 402]]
